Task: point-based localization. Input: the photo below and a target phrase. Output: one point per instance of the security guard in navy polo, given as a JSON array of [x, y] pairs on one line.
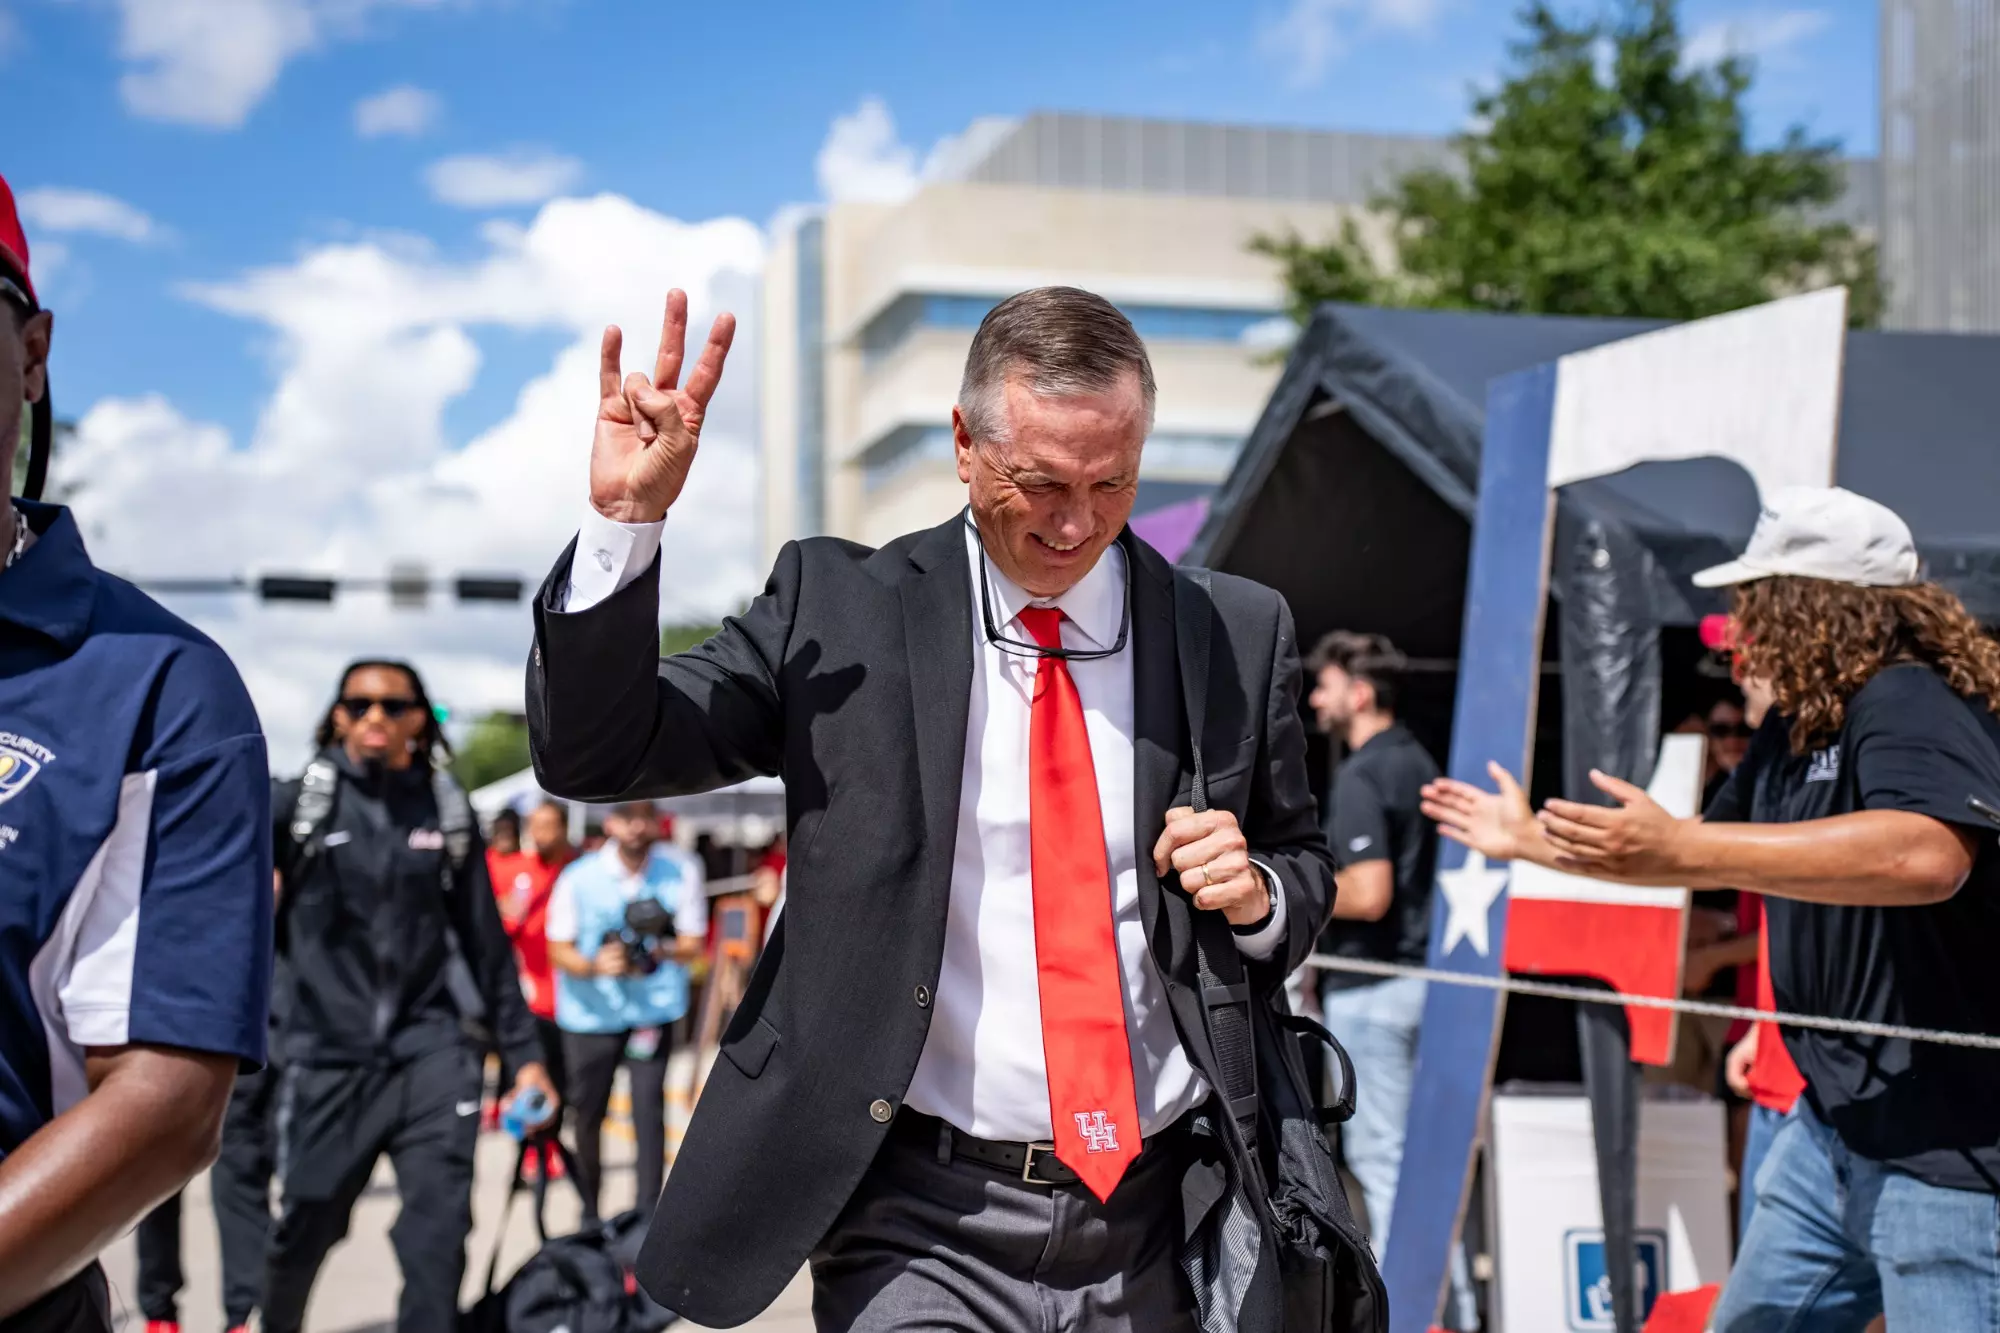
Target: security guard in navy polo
[[135, 882]]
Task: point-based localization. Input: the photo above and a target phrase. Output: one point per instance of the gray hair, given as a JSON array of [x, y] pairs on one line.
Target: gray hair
[[1064, 341]]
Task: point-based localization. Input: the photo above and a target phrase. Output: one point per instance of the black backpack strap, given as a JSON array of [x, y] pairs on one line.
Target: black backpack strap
[[312, 811], [455, 822], [1225, 990]]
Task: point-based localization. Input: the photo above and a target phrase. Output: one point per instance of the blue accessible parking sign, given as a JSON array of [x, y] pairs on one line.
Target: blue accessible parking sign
[[1587, 1280]]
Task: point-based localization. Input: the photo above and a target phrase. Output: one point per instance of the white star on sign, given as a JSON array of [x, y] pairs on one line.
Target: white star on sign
[[1469, 892]]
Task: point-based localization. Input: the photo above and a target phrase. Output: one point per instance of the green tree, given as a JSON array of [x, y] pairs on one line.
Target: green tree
[[1606, 177], [496, 747]]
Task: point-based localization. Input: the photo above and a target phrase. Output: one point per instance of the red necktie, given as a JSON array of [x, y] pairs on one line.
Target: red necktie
[[1091, 1102]]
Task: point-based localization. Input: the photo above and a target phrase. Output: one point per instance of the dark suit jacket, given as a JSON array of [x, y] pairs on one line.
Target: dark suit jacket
[[851, 677]]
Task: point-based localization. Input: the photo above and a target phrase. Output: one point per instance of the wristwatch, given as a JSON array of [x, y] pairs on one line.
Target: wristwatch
[[1270, 907]]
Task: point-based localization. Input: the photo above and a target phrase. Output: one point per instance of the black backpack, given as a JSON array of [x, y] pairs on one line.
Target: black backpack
[[581, 1283]]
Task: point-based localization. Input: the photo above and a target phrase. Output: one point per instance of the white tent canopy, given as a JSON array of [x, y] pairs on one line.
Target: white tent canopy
[[755, 807]]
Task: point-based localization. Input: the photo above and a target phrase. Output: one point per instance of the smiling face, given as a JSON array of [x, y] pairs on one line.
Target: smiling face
[[1055, 485]]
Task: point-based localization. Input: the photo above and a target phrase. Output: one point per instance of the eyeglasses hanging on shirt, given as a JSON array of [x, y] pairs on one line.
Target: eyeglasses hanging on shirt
[[1028, 647]]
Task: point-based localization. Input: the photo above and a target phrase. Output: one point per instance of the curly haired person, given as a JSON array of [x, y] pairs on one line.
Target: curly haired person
[[1858, 815]]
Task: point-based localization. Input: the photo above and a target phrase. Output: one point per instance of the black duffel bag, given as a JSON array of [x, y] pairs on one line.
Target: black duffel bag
[[582, 1283]]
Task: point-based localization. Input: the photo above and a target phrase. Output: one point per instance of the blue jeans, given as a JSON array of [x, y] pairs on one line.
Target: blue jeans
[[1377, 1023], [1763, 1128], [1838, 1238]]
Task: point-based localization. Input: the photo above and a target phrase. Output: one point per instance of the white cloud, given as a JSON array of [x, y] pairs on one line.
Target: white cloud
[[54, 208], [1761, 34], [1311, 35], [350, 468], [209, 62], [404, 110], [862, 159], [477, 180]]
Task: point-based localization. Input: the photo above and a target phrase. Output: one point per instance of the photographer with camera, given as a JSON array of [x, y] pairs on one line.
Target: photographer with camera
[[622, 924]]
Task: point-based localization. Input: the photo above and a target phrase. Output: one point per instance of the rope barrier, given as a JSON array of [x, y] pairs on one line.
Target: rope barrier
[[1589, 995]]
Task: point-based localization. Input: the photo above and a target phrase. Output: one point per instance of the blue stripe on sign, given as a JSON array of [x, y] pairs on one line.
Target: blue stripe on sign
[[1499, 668]]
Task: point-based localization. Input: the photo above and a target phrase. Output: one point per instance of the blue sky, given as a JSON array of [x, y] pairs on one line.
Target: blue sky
[[231, 240]]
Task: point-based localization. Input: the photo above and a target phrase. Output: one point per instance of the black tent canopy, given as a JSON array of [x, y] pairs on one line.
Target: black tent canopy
[[1354, 496]]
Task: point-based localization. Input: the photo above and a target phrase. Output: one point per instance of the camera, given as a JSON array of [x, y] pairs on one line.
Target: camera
[[647, 922]]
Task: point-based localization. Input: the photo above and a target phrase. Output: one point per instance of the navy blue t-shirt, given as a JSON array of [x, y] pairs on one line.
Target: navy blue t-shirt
[[1931, 1110], [135, 832]]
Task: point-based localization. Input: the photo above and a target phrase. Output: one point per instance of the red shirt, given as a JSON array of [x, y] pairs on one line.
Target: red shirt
[[1775, 1082], [522, 884]]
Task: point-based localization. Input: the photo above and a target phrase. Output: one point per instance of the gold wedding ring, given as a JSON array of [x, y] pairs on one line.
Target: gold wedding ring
[[1204, 878]]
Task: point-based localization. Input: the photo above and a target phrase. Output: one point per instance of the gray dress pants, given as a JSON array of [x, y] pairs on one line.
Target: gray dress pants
[[930, 1246]]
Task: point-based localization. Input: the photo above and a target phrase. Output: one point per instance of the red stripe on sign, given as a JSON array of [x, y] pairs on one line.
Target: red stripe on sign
[[1635, 950]]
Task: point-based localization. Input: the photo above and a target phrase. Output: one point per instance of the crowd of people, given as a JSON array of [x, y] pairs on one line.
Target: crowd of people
[[399, 940], [324, 966]]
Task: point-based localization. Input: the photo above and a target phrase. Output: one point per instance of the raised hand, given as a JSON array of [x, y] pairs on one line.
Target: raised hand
[[648, 429], [1635, 839], [1500, 825]]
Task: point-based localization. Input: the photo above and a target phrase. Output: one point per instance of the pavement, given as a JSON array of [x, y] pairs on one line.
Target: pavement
[[357, 1288]]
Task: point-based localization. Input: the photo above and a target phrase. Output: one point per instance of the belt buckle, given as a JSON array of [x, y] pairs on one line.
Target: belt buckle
[[1028, 1175]]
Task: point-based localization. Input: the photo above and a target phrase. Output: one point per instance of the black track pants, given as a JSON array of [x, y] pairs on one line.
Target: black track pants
[[334, 1122], [593, 1059]]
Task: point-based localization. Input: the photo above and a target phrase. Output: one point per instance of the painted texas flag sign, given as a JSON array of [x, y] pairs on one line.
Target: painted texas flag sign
[[1628, 937]]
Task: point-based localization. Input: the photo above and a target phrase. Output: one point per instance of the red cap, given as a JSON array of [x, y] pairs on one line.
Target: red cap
[[14, 242]]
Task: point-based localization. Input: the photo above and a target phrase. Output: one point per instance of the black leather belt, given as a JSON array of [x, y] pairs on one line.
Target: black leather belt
[[1031, 1163]]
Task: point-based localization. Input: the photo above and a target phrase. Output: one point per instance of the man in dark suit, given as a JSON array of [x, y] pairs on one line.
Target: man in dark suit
[[970, 1078]]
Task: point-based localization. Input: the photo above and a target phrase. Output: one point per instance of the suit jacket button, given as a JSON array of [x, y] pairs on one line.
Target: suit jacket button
[[880, 1111], [923, 997]]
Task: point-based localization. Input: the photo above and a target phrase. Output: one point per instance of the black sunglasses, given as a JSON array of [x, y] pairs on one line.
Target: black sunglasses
[[1028, 648], [1723, 731], [357, 706]]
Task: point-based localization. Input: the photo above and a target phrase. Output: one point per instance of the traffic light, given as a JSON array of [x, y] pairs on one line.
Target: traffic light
[[489, 588], [291, 588]]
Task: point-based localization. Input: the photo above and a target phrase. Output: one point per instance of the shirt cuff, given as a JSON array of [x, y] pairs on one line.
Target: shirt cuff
[[609, 556], [1271, 934]]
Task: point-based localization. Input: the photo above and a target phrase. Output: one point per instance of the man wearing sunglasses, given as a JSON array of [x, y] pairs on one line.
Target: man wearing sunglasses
[[971, 1077], [134, 818], [400, 974]]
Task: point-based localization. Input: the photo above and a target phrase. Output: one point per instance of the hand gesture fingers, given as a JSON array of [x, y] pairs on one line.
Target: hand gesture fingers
[[707, 372], [610, 397], [1576, 812], [648, 429], [673, 341]]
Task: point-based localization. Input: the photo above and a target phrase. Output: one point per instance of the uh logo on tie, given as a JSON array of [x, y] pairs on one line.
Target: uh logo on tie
[[1097, 1130]]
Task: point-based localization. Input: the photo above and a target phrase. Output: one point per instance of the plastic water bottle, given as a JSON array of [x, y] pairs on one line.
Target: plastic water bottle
[[529, 1108]]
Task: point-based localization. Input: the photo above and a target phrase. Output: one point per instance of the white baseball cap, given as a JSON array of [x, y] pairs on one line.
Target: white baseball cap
[[1824, 532]]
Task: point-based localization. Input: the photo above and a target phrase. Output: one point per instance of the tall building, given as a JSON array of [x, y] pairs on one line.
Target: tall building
[[869, 309], [1941, 163]]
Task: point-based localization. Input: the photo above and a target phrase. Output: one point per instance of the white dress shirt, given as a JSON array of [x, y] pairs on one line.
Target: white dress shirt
[[982, 1068]]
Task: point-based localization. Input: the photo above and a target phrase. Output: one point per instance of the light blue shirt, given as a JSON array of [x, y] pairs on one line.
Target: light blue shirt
[[589, 902]]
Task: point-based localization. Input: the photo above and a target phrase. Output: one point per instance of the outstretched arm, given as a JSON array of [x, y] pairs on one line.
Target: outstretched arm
[[1885, 857], [1889, 858]]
